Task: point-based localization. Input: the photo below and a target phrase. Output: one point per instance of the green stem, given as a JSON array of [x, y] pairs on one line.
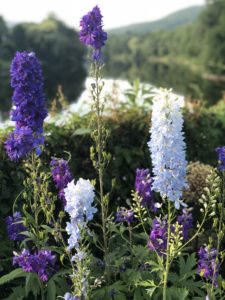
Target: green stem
[[34, 176], [166, 271], [42, 291], [219, 240], [99, 148], [130, 234]]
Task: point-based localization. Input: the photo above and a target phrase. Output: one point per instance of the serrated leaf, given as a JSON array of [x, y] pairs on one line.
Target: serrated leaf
[[175, 293]]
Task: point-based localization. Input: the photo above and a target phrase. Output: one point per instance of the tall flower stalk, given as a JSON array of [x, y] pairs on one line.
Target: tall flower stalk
[[26, 142], [167, 149], [219, 222], [92, 35], [28, 109]]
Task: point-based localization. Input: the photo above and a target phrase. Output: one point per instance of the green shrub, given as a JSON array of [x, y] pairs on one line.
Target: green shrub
[[129, 133]]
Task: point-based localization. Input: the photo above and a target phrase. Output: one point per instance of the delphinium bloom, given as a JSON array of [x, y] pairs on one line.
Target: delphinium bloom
[[207, 266], [61, 175], [186, 221], [79, 199], [125, 215], [68, 296], [143, 186], [15, 227], [91, 33], [42, 262], [167, 146], [28, 109], [158, 236], [221, 157]]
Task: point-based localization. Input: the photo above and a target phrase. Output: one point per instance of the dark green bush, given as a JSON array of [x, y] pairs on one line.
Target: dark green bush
[[129, 133]]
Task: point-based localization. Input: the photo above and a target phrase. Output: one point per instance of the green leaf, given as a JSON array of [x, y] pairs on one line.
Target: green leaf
[[32, 284], [175, 293], [51, 290], [17, 294], [82, 131], [12, 275]]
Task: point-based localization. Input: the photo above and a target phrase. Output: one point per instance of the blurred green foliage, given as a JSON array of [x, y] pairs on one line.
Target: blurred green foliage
[[58, 48], [190, 58]]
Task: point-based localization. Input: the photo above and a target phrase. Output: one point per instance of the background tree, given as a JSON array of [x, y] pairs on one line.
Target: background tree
[[59, 50]]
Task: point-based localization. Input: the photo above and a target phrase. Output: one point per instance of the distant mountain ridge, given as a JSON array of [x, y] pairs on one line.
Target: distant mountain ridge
[[178, 18]]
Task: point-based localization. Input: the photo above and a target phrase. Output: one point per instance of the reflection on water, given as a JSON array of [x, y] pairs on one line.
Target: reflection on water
[[183, 81]]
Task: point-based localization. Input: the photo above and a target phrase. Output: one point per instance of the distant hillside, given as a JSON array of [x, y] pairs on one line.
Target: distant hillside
[[181, 17]]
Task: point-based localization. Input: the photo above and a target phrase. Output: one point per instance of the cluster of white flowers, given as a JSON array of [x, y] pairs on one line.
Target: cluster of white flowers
[[167, 146], [79, 199]]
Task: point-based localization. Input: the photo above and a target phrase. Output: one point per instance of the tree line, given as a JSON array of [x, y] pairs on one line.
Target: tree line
[[58, 48]]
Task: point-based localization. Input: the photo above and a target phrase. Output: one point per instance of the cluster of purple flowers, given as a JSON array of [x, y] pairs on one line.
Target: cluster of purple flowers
[[61, 175], [221, 157], [15, 227], [143, 185], [158, 235], [207, 266], [125, 215], [91, 33], [186, 221], [28, 109], [41, 262]]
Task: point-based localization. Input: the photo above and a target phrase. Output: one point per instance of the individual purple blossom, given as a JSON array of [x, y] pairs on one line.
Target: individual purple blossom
[[91, 33], [44, 264], [221, 157], [41, 262], [186, 221], [207, 266], [61, 175], [158, 236], [125, 215], [28, 109], [19, 143], [15, 227], [143, 184]]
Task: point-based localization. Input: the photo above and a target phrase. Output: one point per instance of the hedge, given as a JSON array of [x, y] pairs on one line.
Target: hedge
[[129, 133]]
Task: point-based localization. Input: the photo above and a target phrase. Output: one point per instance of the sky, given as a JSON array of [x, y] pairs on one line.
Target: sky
[[116, 12]]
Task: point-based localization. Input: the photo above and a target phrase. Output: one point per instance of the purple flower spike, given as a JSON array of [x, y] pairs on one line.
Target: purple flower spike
[[221, 157], [91, 33], [207, 264], [186, 221], [15, 227], [125, 215], [158, 236], [28, 109], [143, 184], [61, 175]]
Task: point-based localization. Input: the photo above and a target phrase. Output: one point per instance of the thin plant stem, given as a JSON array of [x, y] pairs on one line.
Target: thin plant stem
[[219, 240], [166, 271], [100, 162]]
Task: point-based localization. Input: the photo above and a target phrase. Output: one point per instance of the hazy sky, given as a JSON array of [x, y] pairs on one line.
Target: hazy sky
[[116, 12]]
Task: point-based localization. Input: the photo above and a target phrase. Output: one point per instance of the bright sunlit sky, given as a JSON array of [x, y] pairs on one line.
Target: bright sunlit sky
[[116, 12]]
